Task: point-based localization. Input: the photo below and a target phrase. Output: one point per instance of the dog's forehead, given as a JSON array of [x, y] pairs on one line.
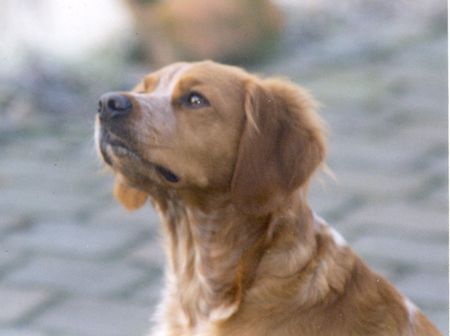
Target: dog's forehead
[[169, 76], [165, 80]]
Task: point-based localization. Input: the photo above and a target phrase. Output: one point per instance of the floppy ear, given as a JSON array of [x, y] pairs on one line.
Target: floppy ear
[[281, 146], [129, 197]]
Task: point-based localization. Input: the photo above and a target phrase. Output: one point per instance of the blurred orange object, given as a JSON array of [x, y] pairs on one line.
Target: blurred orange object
[[223, 30]]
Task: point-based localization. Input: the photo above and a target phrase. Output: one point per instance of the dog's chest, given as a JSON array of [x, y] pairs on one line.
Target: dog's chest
[[202, 271], [194, 308]]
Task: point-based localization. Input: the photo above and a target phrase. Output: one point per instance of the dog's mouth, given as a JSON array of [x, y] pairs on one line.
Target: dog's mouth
[[111, 146], [167, 174], [121, 150]]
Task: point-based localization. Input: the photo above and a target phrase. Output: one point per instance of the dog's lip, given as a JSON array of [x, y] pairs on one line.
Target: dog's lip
[[119, 146], [120, 149], [110, 144]]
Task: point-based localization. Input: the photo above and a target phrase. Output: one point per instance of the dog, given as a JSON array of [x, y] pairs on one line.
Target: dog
[[225, 157]]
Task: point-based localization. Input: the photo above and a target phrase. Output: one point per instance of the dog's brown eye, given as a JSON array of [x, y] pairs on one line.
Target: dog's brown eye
[[194, 100]]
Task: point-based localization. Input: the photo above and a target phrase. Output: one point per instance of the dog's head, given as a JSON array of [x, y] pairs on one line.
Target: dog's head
[[205, 126]]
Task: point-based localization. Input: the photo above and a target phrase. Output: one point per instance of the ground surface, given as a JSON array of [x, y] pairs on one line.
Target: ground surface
[[73, 262]]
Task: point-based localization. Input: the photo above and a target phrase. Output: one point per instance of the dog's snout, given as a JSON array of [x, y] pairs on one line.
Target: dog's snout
[[114, 105]]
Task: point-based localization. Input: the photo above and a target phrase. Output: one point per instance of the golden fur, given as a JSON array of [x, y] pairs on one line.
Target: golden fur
[[246, 255]]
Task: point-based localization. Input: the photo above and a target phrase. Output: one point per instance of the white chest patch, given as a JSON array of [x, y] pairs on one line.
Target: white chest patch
[[223, 312], [411, 309], [337, 237]]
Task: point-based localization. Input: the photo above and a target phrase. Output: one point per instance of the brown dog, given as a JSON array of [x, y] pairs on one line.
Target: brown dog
[[225, 158]]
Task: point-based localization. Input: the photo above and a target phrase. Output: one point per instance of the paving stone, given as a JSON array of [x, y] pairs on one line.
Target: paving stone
[[51, 182], [380, 185], [21, 332], [358, 153], [9, 258], [17, 303], [75, 276], [438, 200], [85, 317], [425, 101], [114, 214], [10, 223], [417, 255], [150, 253], [150, 294], [439, 318], [401, 219], [436, 164], [41, 202], [422, 133], [71, 239], [427, 289], [327, 197], [361, 85], [392, 270]]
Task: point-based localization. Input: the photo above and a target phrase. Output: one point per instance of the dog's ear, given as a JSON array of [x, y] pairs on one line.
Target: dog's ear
[[129, 197], [281, 145]]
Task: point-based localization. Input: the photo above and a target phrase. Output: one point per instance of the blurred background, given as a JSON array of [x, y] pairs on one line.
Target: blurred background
[[73, 262]]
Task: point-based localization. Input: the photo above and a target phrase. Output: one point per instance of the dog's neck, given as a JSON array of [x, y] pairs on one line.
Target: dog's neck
[[215, 251]]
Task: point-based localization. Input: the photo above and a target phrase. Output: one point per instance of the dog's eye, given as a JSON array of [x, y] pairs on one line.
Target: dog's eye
[[194, 100]]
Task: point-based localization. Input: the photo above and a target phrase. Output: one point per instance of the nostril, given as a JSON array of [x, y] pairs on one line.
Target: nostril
[[119, 103], [114, 105]]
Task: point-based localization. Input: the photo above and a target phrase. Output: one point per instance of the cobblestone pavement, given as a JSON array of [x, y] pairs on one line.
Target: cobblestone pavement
[[73, 262]]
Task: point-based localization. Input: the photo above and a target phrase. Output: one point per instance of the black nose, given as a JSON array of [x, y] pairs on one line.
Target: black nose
[[114, 105]]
